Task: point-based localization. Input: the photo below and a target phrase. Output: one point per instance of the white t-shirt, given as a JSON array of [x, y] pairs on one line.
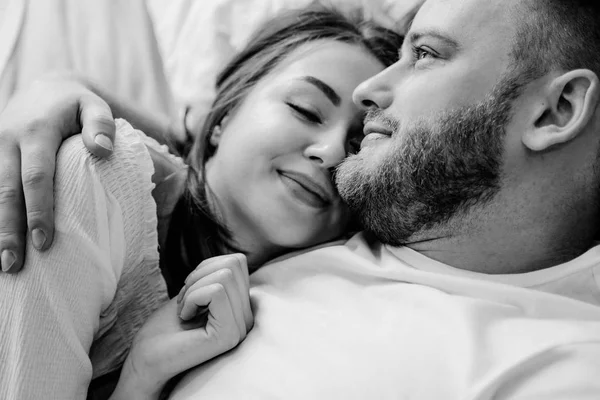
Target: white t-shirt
[[359, 320]]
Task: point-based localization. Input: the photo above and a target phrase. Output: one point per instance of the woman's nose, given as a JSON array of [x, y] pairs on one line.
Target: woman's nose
[[329, 148], [374, 92]]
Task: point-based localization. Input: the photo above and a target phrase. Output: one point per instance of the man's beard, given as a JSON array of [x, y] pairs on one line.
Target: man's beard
[[434, 170]]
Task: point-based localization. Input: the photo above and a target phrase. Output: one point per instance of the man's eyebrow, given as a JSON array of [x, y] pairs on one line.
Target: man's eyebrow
[[325, 88], [414, 36]]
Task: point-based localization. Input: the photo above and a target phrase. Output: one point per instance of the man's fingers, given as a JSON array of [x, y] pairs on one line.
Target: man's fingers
[[98, 125], [38, 163], [13, 227]]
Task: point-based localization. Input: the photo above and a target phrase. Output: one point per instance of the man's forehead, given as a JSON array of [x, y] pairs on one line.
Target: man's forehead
[[467, 19]]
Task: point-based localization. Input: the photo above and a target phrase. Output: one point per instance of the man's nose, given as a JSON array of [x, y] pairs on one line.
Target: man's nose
[[329, 148], [375, 92]]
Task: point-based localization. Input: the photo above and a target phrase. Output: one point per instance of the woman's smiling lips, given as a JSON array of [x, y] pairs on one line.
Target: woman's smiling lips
[[308, 189]]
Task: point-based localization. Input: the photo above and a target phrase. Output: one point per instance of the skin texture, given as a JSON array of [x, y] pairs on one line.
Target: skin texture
[[269, 139], [543, 211]]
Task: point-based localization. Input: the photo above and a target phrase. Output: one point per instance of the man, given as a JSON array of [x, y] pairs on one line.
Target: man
[[479, 175], [477, 186]]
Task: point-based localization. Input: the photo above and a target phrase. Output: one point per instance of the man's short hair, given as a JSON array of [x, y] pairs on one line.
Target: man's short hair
[[557, 34]]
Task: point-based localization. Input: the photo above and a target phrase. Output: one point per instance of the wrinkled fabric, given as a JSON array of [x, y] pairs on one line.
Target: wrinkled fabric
[[71, 314], [359, 320]]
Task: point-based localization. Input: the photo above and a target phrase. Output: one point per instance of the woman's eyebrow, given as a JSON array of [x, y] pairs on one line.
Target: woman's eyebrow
[[325, 88]]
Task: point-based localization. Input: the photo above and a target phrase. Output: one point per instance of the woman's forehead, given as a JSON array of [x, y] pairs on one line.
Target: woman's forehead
[[340, 65]]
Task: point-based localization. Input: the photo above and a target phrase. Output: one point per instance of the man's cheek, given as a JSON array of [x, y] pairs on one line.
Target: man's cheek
[[420, 99]]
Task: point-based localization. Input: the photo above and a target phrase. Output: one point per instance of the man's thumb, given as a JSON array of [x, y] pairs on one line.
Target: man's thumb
[[98, 125]]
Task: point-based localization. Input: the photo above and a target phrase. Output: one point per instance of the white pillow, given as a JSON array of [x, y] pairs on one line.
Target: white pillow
[[197, 38], [110, 41]]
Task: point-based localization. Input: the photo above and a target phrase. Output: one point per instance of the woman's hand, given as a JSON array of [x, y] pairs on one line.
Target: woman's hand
[[32, 127], [211, 315]]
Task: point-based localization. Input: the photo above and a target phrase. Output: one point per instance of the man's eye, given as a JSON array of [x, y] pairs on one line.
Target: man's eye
[[420, 53], [305, 113]]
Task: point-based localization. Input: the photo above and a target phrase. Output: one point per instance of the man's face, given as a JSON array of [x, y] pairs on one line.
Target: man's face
[[437, 132]]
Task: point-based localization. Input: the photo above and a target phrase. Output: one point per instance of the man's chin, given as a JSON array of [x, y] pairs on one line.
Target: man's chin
[[354, 177], [350, 169]]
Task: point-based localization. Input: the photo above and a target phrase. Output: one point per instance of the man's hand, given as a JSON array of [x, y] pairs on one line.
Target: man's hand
[[211, 315], [32, 127]]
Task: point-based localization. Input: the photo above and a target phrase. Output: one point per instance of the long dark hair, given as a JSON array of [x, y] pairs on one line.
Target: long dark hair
[[195, 233]]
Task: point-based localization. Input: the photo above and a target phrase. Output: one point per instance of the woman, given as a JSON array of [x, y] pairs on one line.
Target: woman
[[259, 182]]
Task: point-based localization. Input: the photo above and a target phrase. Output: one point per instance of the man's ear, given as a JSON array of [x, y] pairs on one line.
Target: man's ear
[[569, 102]]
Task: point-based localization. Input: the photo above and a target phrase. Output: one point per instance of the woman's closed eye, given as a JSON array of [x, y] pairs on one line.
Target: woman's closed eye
[[305, 113]]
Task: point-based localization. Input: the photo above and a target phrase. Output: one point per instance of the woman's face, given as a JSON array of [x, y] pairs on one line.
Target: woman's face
[[271, 175]]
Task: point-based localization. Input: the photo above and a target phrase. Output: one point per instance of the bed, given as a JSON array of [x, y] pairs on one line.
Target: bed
[[160, 54]]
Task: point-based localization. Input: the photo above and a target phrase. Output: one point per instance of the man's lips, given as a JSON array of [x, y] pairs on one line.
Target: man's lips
[[373, 131], [372, 127], [308, 189]]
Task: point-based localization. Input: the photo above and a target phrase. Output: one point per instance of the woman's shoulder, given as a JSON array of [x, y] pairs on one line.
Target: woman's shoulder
[[117, 188], [130, 163], [113, 198], [138, 162]]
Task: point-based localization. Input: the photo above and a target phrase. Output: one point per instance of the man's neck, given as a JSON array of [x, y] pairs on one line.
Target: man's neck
[[510, 241], [476, 254]]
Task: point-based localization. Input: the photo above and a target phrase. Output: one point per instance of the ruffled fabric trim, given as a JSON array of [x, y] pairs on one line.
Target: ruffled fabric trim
[[162, 149], [140, 153], [141, 288]]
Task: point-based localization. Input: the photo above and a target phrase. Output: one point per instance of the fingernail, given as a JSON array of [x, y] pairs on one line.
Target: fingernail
[[7, 259], [187, 278], [103, 141], [180, 295], [39, 238]]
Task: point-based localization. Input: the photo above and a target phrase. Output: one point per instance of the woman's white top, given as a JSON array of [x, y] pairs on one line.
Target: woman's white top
[[71, 313]]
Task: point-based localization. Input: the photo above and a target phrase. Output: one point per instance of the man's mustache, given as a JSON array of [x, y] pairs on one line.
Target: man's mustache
[[379, 117]]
